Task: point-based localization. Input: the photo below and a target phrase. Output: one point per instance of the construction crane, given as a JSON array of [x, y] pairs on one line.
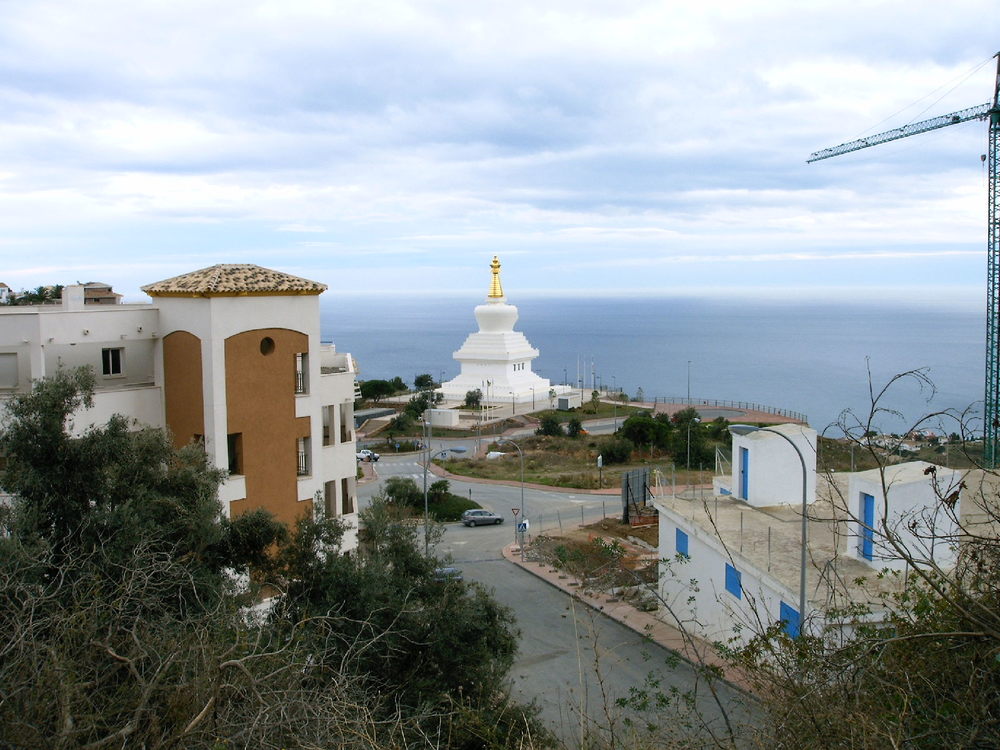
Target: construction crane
[[989, 111]]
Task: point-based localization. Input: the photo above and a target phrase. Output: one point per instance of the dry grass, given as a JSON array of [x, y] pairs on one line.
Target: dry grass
[[564, 462]]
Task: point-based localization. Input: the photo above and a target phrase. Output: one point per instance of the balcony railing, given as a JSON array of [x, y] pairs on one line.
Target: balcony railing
[[300, 382], [303, 464]]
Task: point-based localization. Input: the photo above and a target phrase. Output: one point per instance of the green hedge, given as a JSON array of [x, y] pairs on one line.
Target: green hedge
[[450, 507]]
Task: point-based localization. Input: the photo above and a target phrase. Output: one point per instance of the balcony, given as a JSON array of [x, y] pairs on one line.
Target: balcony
[[301, 373], [332, 363], [302, 450]]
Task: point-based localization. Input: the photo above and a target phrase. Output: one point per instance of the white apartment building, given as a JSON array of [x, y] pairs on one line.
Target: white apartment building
[[228, 356]]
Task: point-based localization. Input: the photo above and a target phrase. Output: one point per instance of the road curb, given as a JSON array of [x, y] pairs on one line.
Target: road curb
[[643, 623]]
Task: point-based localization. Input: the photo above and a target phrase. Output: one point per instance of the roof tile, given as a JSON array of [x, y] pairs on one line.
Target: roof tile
[[233, 279]]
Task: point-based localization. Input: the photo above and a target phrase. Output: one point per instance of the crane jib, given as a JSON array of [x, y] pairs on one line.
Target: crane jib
[[991, 398], [942, 121]]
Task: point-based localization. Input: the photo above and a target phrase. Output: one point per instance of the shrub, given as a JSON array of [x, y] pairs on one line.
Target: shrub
[[450, 507], [404, 491], [617, 450], [550, 426]]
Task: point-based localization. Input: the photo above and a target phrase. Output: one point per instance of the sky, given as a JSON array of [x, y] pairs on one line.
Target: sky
[[596, 147]]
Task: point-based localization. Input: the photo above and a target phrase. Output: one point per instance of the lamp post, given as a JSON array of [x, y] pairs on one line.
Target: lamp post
[[689, 382], [745, 429], [532, 398], [506, 441], [513, 406], [431, 457]]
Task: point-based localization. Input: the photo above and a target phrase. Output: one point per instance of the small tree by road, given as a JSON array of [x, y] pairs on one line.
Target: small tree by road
[[550, 426], [595, 402]]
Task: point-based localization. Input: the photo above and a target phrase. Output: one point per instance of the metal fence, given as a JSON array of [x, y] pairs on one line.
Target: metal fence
[[712, 402], [725, 404]]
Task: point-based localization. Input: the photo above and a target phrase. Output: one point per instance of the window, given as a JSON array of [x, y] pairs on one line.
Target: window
[[346, 422], [8, 370], [112, 361], [681, 543], [733, 583], [347, 485], [330, 499], [234, 446]]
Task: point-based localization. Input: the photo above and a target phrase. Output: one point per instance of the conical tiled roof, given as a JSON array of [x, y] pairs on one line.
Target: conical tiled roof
[[233, 280]]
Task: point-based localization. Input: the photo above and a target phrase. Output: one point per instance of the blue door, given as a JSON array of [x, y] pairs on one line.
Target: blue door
[[868, 519], [789, 617], [744, 472]]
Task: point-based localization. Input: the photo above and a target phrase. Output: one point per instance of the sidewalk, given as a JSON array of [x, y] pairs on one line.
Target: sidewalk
[[689, 648]]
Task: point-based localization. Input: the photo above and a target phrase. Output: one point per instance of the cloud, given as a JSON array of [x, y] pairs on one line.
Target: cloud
[[656, 131]]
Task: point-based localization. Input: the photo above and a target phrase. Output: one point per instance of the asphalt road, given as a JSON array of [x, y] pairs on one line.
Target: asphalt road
[[573, 661]]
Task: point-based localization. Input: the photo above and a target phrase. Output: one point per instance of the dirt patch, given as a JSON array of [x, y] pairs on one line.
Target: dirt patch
[[603, 555]]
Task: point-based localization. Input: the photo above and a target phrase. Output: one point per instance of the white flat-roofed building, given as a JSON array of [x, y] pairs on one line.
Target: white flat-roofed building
[[767, 470], [915, 504], [730, 569]]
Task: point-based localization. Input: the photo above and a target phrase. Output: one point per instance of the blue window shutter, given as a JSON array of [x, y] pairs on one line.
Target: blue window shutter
[[733, 584], [681, 543], [789, 620]]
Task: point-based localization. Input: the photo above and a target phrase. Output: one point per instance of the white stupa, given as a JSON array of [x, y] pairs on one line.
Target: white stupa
[[497, 359]]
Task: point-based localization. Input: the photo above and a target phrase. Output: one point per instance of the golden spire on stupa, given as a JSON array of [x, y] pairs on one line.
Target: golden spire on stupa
[[496, 290]]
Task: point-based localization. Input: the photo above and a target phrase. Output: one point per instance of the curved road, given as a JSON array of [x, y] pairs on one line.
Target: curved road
[[573, 661]]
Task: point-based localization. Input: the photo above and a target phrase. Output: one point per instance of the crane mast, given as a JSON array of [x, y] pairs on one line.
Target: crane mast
[[991, 112]]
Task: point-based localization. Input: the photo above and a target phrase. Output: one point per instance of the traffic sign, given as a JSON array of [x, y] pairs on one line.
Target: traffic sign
[[523, 526], [515, 511]]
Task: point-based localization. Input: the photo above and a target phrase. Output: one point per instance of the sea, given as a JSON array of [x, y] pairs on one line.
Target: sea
[[825, 359]]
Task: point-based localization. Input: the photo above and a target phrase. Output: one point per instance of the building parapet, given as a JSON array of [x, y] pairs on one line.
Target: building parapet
[[333, 362]]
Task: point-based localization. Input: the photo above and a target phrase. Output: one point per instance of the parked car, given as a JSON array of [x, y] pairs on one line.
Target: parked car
[[480, 517], [367, 455], [446, 575]]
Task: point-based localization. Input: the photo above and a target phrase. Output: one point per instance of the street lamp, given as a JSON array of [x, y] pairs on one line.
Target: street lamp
[[431, 457], [506, 441], [689, 382], [513, 407], [745, 429]]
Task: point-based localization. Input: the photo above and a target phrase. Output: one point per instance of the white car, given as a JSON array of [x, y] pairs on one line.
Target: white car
[[367, 455]]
